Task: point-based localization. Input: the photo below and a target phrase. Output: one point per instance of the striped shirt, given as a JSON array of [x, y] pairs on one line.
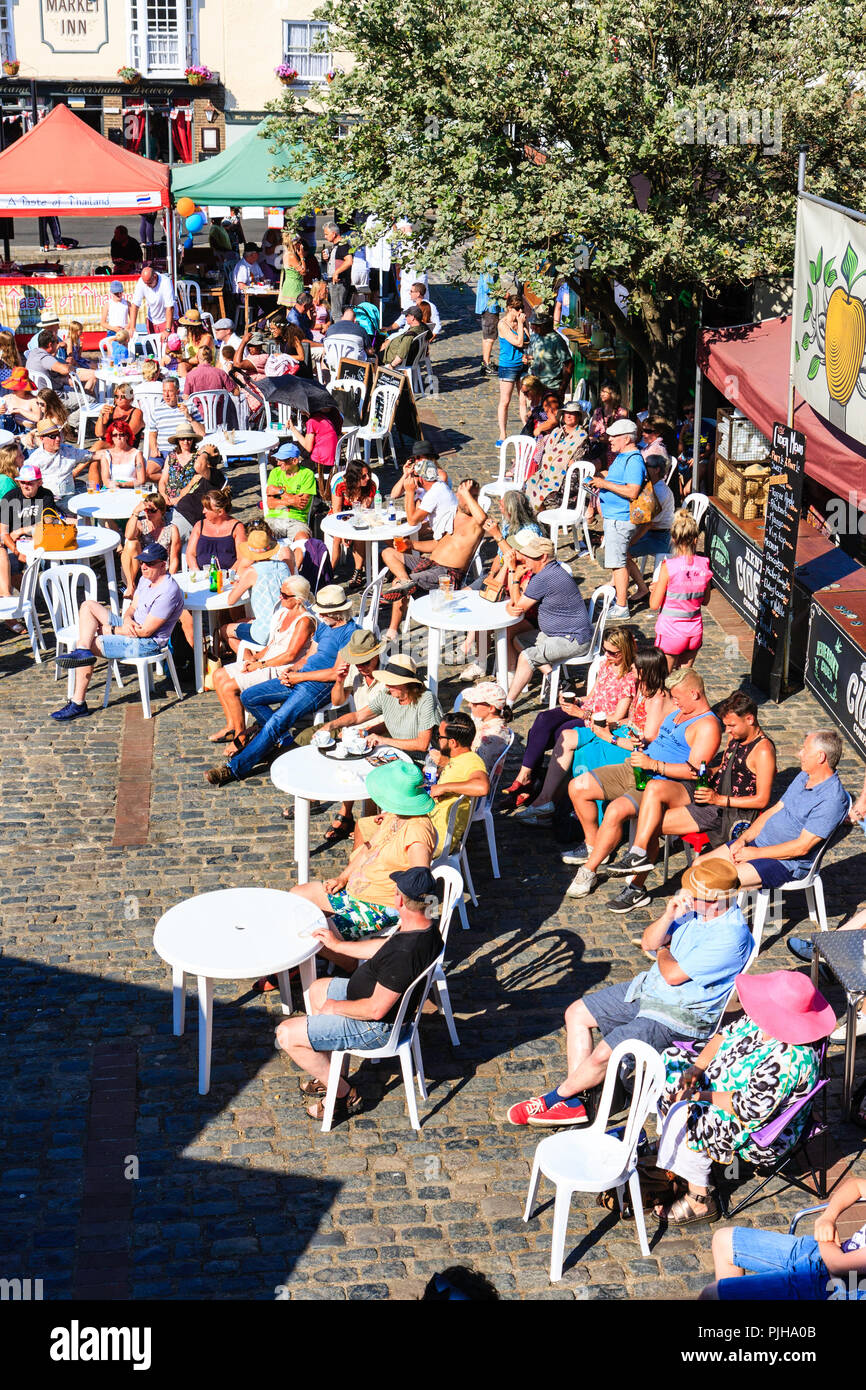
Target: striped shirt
[[167, 420]]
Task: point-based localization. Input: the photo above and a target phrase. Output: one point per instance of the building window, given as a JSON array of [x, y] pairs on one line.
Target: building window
[[163, 36], [304, 49], [7, 35]]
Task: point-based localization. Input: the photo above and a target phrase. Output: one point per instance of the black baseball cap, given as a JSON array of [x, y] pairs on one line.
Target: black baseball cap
[[417, 883], [152, 554], [422, 450]]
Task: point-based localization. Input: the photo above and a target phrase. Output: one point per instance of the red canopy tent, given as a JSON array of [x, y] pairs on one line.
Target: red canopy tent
[[749, 365], [63, 166]]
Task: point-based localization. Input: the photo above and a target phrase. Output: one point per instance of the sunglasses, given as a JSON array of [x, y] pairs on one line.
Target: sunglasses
[[283, 594], [610, 651]]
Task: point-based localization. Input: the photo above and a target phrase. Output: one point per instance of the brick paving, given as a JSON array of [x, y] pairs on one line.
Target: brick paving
[[237, 1194]]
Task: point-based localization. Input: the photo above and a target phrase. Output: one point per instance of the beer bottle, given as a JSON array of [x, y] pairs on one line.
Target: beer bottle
[[212, 576], [703, 779], [642, 776]]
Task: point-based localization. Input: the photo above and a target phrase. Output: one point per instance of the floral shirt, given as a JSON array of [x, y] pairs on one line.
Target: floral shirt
[[180, 475], [561, 450], [610, 688], [765, 1076]]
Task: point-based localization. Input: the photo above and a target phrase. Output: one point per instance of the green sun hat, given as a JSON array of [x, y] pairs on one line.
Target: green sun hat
[[399, 787]]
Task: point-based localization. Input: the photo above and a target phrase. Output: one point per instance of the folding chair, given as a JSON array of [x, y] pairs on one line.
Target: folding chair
[[812, 885]]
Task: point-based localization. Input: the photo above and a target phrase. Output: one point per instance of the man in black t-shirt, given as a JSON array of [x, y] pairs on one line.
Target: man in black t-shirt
[[20, 510], [358, 1013]]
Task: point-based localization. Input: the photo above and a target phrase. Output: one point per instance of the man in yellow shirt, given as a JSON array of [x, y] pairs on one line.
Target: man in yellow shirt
[[461, 773]]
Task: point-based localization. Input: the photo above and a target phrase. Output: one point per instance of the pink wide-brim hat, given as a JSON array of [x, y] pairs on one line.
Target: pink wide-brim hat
[[786, 1005]]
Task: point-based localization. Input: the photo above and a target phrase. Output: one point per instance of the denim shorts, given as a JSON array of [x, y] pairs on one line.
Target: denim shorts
[[782, 1267], [617, 1019], [510, 373], [652, 543], [336, 1033], [243, 632], [119, 647]]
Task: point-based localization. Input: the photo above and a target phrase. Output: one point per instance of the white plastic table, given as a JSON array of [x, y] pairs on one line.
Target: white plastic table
[[235, 934], [94, 543], [307, 775], [246, 444], [198, 599], [372, 536], [109, 377], [467, 611], [116, 504]]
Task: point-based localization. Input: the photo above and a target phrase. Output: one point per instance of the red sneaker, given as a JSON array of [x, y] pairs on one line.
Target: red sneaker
[[520, 1114], [559, 1114]]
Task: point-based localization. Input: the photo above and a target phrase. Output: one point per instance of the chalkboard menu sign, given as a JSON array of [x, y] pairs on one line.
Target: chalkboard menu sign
[[776, 588], [735, 561]]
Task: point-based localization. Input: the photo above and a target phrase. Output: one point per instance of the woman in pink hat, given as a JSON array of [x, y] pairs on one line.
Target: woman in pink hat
[[746, 1075]]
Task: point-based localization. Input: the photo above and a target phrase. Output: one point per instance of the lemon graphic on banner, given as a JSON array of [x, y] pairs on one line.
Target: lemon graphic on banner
[[844, 335]]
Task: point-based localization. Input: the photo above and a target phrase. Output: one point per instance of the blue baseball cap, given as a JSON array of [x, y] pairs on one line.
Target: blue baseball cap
[[288, 451], [152, 554]]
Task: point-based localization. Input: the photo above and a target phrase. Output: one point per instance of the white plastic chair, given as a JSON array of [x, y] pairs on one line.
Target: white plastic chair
[[41, 380], [380, 423], [590, 1160], [105, 358], [812, 885], [213, 406], [483, 808], [145, 345], [453, 854], [574, 518], [22, 609], [345, 452], [371, 599], [189, 294], [87, 409], [339, 346], [417, 365], [599, 605], [523, 447], [409, 1051], [144, 666], [696, 503], [64, 589]]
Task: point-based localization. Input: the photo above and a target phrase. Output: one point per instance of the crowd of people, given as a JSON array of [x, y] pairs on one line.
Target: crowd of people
[[644, 747]]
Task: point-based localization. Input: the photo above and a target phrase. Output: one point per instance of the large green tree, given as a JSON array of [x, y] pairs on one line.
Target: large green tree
[[507, 131]]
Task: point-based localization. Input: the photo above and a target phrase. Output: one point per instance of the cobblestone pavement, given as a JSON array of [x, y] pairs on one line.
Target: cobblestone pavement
[[118, 1180]]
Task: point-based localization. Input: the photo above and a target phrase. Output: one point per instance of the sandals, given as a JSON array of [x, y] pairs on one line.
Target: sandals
[[518, 793], [344, 1106], [225, 736], [312, 1088], [238, 742], [340, 829], [682, 1211]]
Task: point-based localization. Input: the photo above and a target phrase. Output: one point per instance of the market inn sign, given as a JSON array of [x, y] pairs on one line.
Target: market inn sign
[[74, 26]]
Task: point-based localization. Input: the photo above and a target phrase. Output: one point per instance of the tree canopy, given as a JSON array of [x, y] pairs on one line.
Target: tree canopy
[[663, 133]]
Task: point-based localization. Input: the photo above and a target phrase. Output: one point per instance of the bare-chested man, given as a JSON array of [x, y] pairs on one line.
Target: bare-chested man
[[428, 561]]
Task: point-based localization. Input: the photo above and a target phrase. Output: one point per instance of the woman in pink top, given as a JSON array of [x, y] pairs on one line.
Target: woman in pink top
[[682, 588], [320, 438]]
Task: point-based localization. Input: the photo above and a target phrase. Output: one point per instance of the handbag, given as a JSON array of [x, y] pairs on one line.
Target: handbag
[[54, 532], [645, 507], [492, 589]]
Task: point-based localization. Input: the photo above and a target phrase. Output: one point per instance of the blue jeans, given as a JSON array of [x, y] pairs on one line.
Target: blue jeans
[[291, 702], [783, 1267]]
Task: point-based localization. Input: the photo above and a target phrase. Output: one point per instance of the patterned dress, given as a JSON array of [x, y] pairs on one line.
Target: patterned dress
[[765, 1076], [560, 452]]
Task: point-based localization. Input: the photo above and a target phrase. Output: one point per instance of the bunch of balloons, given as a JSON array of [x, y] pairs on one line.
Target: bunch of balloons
[[194, 218]]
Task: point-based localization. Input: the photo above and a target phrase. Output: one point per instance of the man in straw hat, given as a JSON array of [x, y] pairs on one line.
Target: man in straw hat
[[701, 942], [716, 1103], [297, 692], [259, 566], [357, 1013]]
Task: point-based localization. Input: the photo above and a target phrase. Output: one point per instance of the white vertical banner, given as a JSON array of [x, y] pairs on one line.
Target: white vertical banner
[[829, 316]]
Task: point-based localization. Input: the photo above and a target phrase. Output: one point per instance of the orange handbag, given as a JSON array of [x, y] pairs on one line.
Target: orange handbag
[[54, 532]]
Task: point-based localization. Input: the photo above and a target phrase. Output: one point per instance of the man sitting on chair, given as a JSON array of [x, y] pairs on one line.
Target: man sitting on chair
[[143, 632], [781, 844], [701, 943], [429, 561], [357, 1013]]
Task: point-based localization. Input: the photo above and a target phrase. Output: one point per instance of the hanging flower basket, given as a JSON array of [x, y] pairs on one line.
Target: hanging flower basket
[[331, 74], [130, 76], [286, 74], [198, 76], [10, 67]]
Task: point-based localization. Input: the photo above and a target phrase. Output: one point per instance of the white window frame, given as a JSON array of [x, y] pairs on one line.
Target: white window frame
[[306, 59], [7, 32], [187, 38]]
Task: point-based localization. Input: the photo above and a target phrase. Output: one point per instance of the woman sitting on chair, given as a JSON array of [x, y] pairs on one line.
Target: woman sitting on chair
[[121, 464], [563, 446], [146, 525], [291, 630], [748, 1074], [355, 489]]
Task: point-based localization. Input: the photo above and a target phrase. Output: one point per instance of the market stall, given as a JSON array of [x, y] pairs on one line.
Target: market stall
[[63, 166]]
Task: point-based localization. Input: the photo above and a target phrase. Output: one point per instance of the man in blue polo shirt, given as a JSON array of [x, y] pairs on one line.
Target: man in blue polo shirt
[[296, 693], [782, 843], [625, 478]]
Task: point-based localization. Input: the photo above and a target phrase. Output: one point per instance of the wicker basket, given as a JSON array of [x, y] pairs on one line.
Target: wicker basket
[[738, 440], [743, 490]]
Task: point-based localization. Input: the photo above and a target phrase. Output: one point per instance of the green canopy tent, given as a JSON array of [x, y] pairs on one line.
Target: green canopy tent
[[239, 177]]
